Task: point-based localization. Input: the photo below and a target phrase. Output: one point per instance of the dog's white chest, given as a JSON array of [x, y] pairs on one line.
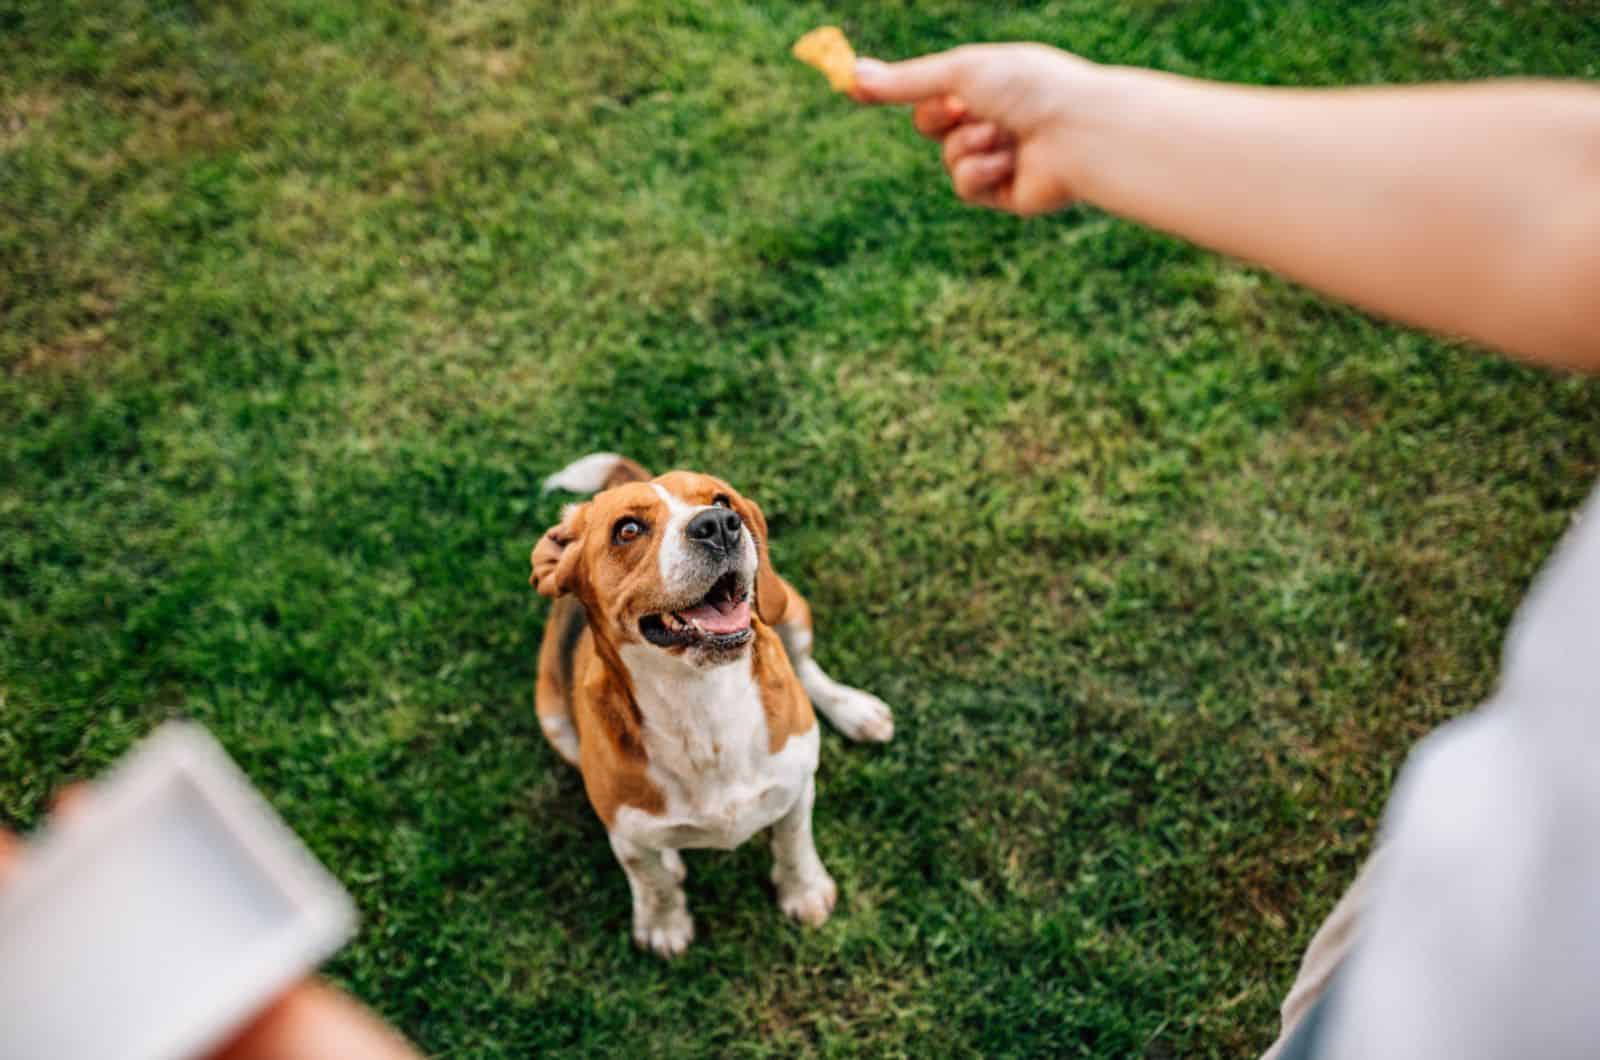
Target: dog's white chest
[[706, 734]]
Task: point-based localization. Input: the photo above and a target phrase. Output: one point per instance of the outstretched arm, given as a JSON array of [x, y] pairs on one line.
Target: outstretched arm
[[1468, 209]]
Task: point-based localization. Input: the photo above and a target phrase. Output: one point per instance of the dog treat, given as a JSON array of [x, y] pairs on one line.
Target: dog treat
[[827, 49]]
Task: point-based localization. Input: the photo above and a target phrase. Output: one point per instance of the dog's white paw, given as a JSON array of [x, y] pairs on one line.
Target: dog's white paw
[[666, 933], [863, 716], [808, 899]]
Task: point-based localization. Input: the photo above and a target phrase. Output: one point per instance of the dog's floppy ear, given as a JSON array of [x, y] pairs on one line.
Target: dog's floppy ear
[[556, 557], [772, 599]]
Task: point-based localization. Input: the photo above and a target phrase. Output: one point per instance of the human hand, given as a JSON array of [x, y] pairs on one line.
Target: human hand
[[1004, 113], [315, 1021], [311, 1021]]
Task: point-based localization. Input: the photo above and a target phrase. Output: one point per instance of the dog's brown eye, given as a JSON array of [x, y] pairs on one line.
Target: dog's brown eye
[[721, 501], [627, 530]]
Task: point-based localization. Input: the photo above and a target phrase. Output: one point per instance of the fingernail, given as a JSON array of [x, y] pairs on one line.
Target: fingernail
[[870, 71]]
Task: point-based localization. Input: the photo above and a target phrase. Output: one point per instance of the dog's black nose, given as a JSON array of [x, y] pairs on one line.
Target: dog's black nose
[[716, 529]]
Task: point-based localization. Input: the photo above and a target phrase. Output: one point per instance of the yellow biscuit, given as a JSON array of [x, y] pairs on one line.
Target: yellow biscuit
[[827, 50]]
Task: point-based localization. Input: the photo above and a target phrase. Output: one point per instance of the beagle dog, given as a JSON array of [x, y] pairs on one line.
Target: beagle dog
[[676, 674]]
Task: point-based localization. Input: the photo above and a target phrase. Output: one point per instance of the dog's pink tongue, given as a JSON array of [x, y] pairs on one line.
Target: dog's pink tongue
[[726, 617]]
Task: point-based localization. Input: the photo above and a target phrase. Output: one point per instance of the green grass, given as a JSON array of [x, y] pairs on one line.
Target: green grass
[[1164, 563]]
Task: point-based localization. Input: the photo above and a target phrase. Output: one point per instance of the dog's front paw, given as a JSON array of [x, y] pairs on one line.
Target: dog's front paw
[[863, 716], [666, 933], [808, 899]]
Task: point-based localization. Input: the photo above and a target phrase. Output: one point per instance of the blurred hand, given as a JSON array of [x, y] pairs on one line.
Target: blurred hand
[[1003, 113], [312, 1021]]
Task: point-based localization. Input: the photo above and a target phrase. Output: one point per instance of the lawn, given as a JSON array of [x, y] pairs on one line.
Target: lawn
[[1163, 562]]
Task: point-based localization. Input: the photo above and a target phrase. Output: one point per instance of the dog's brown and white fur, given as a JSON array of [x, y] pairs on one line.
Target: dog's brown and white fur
[[687, 710]]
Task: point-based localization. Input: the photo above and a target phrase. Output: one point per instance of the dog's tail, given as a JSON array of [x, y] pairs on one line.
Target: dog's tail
[[596, 472]]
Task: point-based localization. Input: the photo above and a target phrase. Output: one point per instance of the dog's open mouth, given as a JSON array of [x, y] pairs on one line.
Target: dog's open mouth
[[721, 619]]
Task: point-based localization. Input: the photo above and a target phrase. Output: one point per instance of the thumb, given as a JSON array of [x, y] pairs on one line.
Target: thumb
[[939, 74], [10, 851]]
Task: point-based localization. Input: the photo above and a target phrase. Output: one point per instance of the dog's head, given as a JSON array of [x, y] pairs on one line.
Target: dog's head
[[673, 563]]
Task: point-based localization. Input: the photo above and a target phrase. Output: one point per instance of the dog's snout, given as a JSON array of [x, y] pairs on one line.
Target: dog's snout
[[716, 529]]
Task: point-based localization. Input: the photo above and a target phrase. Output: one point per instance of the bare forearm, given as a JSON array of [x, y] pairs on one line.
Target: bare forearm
[[1473, 210]]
